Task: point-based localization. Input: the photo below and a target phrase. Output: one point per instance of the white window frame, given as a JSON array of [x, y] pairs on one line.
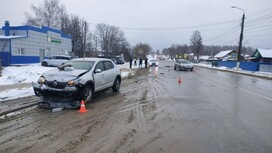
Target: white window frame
[[21, 51]]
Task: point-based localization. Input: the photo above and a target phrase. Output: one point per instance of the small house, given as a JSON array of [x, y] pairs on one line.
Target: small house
[[228, 55], [262, 55]]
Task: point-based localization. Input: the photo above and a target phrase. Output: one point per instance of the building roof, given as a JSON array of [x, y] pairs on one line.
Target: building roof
[[265, 53], [11, 37], [43, 29], [223, 53], [204, 57]]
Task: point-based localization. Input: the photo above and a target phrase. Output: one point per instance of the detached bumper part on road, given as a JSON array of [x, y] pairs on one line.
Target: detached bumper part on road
[[68, 97]]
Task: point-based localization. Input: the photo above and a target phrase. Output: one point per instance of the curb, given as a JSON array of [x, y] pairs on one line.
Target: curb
[[237, 72]]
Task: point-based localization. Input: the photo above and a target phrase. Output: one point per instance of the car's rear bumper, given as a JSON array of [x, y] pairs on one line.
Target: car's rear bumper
[[66, 97], [185, 67], [153, 64]]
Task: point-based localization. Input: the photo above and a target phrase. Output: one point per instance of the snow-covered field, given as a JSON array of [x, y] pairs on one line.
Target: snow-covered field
[[12, 75]]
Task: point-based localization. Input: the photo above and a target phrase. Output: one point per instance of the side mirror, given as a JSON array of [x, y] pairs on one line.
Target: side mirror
[[98, 71]]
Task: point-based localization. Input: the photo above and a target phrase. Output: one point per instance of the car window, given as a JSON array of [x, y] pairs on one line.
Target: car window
[[53, 57], [184, 61], [100, 66], [108, 65], [62, 58], [81, 65]]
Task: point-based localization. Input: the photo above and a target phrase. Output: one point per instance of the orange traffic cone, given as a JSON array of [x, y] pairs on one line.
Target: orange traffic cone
[[179, 81], [82, 107]]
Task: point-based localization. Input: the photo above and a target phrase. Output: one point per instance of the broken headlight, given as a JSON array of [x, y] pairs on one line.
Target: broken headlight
[[73, 82], [41, 80]]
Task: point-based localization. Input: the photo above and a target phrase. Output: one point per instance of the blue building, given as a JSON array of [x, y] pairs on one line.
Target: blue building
[[28, 44]]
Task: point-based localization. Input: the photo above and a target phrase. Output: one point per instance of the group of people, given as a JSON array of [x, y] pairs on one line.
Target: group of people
[[140, 62]]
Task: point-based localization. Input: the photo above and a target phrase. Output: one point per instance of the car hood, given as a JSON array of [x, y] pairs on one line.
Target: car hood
[[62, 75]]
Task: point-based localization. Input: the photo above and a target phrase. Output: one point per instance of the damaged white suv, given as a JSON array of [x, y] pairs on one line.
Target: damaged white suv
[[77, 80]]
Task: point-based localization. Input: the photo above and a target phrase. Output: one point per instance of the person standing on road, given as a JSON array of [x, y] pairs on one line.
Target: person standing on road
[[146, 62], [140, 62], [130, 63], [135, 61]]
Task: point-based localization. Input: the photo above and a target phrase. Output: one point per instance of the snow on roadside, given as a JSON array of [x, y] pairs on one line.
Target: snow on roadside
[[30, 73], [22, 74], [257, 73], [16, 93]]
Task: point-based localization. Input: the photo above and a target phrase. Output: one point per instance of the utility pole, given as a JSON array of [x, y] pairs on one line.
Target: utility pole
[[85, 33], [241, 37], [95, 44]]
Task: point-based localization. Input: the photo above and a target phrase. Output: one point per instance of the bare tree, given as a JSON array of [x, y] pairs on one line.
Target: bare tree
[[110, 39], [141, 50], [196, 43], [50, 13]]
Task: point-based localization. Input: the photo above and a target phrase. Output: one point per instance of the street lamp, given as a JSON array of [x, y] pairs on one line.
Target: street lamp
[[241, 37]]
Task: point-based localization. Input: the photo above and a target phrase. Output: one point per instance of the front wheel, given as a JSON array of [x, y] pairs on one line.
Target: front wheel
[[87, 94], [44, 64], [116, 85]]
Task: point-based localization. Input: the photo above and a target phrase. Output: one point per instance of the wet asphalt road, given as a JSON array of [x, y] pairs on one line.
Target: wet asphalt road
[[220, 111], [209, 112]]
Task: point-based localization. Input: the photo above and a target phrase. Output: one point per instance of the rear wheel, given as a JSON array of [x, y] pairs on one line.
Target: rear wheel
[[116, 85], [87, 94], [175, 68], [44, 64]]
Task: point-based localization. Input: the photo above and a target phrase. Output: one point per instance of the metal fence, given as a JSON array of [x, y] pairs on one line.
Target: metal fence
[[266, 67], [249, 66]]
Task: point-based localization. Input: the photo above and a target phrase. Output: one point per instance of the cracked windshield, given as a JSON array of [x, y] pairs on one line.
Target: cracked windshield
[[142, 76]]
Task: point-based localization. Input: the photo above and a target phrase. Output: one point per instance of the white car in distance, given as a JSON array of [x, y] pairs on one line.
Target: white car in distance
[[56, 60]]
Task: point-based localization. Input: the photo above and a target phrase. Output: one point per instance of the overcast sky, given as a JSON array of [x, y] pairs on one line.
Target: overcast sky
[[162, 23]]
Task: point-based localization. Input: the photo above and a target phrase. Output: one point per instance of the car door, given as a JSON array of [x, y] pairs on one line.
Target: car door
[[109, 73], [99, 77], [59, 60]]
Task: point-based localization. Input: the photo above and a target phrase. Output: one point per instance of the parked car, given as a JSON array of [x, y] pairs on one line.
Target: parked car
[[56, 60], [183, 64], [153, 62], [118, 60], [77, 80]]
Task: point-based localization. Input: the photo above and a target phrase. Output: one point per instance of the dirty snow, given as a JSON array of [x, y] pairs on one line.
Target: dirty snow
[[16, 93], [22, 74]]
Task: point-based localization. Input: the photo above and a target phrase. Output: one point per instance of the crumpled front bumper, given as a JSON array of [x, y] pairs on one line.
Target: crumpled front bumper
[[68, 97]]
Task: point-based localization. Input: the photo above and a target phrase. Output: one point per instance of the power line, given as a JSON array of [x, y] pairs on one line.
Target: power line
[[178, 27], [259, 25], [259, 29], [260, 12], [230, 41], [260, 35], [233, 29], [259, 19]]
